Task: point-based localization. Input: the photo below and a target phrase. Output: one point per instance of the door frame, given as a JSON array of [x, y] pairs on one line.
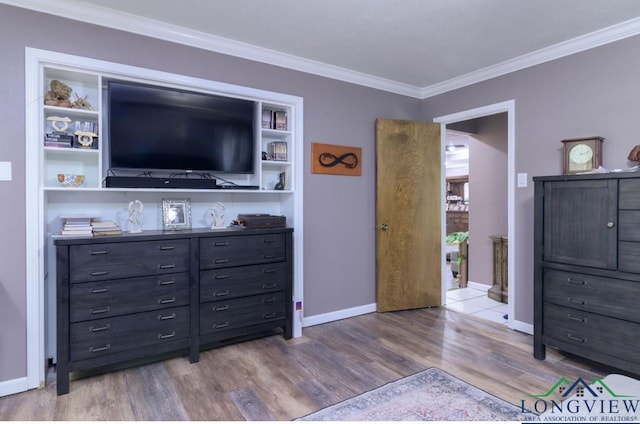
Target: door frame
[[509, 107]]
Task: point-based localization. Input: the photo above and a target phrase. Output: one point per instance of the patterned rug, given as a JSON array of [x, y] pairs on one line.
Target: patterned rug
[[430, 395]]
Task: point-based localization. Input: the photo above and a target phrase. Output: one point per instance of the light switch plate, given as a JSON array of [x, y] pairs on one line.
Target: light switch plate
[[5, 171], [522, 179]]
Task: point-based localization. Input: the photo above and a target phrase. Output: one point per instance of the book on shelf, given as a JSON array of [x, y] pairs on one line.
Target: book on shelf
[[105, 228], [277, 150], [267, 118], [280, 118]]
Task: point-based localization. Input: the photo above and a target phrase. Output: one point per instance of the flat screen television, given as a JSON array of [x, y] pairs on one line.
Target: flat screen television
[[155, 128]]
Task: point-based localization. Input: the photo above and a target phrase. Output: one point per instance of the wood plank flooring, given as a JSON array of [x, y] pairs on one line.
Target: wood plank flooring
[[275, 379]]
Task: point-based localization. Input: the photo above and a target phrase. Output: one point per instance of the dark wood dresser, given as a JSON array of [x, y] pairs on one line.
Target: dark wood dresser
[[136, 296], [587, 267]]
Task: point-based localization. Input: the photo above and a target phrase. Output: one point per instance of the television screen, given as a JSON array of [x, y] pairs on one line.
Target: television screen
[[159, 128]]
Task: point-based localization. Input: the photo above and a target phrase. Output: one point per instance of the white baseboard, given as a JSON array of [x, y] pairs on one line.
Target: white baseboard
[[522, 327], [338, 315], [10, 387], [478, 286]]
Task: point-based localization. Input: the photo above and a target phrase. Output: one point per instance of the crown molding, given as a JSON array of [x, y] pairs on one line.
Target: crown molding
[[109, 18]]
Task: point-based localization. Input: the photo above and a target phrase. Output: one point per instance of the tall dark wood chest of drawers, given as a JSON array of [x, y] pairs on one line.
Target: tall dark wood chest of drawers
[[136, 296], [587, 267]]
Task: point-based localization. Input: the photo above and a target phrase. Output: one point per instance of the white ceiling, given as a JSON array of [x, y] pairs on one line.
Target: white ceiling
[[412, 47]]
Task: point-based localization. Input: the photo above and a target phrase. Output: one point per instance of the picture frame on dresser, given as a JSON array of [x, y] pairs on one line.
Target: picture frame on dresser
[[176, 214]]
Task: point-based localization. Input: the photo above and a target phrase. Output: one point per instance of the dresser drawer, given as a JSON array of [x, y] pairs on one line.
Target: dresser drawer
[[90, 339], [592, 332], [218, 252], [103, 299], [226, 283], [95, 262], [607, 296], [241, 312]]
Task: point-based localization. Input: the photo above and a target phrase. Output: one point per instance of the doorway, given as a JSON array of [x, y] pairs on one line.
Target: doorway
[[507, 107]]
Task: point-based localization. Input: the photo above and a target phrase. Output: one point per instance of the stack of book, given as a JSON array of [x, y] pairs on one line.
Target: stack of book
[[76, 226], [277, 150], [105, 228]]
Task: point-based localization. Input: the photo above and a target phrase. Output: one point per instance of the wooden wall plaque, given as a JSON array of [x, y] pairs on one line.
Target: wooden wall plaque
[[336, 160]]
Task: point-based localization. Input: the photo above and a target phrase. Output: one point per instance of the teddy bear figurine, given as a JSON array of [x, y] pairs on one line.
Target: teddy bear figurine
[[59, 95]]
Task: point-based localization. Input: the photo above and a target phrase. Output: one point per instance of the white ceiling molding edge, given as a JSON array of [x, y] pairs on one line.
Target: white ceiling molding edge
[[83, 12]]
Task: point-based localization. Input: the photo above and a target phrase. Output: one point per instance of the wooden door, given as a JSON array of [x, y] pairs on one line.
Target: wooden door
[[408, 215]]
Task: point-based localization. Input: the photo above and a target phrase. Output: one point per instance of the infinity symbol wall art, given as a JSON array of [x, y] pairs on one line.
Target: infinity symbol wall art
[[336, 160]]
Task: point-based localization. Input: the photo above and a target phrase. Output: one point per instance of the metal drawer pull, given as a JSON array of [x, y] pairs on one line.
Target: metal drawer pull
[[268, 241], [103, 328], [221, 276], [269, 286], [577, 339], [581, 319], [165, 301], [223, 325], [221, 261], [221, 243], [99, 252], [222, 293], [269, 256], [166, 247], [578, 302], [101, 290], [220, 308], [99, 273], [166, 282], [101, 310], [100, 349], [168, 266], [269, 300], [166, 336], [166, 317], [269, 315], [578, 282], [269, 270]]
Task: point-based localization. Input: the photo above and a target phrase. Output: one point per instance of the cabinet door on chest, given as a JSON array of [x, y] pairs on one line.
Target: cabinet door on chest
[[241, 312], [580, 223], [221, 283], [216, 252]]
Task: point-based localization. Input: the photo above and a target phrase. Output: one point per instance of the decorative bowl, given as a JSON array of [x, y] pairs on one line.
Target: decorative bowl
[[71, 180]]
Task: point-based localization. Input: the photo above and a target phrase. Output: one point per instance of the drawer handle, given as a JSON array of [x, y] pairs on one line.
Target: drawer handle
[[221, 276], [165, 301], [577, 282], [269, 256], [221, 261], [166, 282], [101, 310], [166, 336], [269, 270], [99, 273], [269, 299], [268, 241], [221, 243], [168, 266], [99, 252], [100, 349], [220, 294], [575, 318], [166, 317], [220, 308], [577, 302], [166, 247], [269, 286], [576, 339], [97, 329], [101, 290], [269, 315], [223, 325]]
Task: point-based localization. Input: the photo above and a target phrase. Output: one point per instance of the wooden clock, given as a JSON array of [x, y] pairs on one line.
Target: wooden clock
[[581, 155]]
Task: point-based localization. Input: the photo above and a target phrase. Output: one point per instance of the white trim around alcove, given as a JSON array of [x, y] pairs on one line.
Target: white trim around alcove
[[36, 273]]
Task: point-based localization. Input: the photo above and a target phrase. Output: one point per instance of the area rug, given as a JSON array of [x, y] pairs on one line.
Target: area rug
[[430, 395]]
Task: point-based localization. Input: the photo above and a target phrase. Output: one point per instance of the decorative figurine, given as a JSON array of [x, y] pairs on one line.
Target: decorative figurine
[[135, 210], [217, 213]]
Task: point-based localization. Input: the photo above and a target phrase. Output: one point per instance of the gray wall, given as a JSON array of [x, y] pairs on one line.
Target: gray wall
[[488, 174], [595, 92], [339, 211]]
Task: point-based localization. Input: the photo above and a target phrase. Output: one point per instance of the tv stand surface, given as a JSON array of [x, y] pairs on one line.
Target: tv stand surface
[[156, 182]]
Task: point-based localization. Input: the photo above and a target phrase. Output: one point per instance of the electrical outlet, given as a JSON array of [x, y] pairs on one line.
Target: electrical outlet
[[522, 179], [5, 171]]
